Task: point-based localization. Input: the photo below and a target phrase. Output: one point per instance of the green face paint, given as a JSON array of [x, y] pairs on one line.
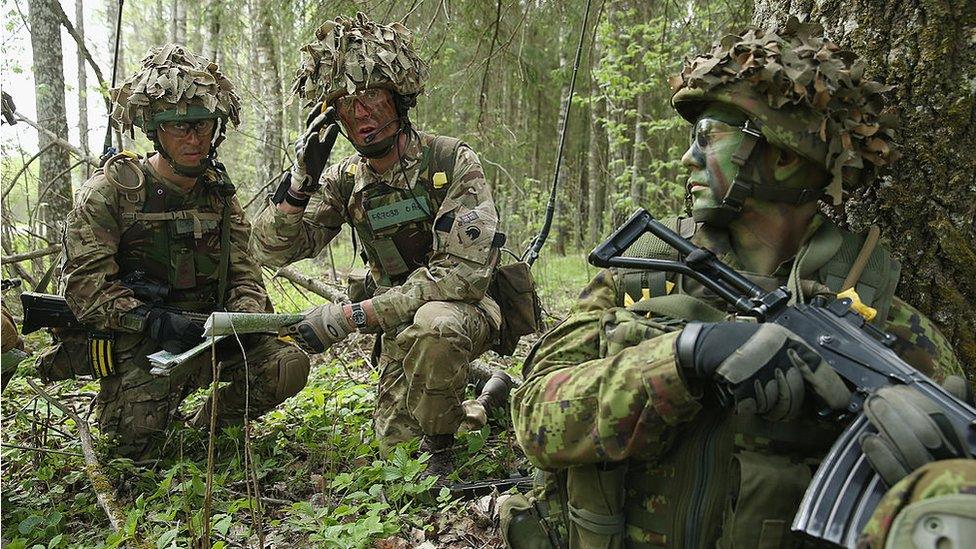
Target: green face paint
[[714, 139]]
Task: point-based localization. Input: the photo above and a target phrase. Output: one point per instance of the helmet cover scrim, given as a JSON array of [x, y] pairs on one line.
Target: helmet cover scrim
[[807, 94], [174, 84], [351, 54]]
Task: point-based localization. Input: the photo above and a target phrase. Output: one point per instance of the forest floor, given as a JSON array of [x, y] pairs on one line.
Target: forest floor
[[315, 461]]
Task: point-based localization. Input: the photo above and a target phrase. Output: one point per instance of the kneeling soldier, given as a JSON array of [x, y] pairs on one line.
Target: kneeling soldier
[[152, 239], [424, 215]]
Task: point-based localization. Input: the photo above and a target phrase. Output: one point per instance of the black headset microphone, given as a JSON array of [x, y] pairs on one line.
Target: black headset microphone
[[372, 135]]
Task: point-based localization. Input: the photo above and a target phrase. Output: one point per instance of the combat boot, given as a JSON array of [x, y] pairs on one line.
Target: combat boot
[[495, 392], [441, 462]]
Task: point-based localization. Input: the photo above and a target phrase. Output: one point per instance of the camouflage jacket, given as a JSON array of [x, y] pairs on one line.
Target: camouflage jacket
[[603, 387], [102, 242], [446, 244]]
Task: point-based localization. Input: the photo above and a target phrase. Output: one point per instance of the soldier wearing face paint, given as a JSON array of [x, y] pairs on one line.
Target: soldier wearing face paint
[[423, 213], [172, 223], [619, 406]]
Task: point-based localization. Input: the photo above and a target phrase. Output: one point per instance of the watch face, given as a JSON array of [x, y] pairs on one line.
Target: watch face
[[359, 317]]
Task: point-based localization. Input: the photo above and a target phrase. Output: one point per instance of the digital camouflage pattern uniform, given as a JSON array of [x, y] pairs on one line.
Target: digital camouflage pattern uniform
[[128, 218], [632, 456], [431, 283], [427, 227], [934, 506]]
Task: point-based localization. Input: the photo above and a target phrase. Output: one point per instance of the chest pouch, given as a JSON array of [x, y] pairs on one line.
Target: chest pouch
[[398, 235]]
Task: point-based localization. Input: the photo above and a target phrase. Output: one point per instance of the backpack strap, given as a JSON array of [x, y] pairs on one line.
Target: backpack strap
[[443, 157]]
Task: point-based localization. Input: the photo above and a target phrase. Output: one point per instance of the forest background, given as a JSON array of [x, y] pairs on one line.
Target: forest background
[[500, 73]]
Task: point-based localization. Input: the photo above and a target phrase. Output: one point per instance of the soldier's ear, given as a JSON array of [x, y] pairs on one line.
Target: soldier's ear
[[788, 164]]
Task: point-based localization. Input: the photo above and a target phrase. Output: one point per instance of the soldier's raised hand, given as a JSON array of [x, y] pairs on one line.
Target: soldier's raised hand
[[313, 148], [764, 368], [323, 326]]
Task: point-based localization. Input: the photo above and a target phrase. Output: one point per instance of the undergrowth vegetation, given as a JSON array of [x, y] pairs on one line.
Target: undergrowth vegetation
[[314, 461]]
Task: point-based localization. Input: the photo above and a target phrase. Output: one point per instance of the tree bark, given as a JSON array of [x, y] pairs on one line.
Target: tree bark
[[924, 204], [272, 100], [118, 64], [595, 165], [636, 179], [82, 79], [49, 100], [559, 246]]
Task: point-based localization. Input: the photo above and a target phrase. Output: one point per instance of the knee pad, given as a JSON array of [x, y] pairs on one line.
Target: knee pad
[[293, 367]]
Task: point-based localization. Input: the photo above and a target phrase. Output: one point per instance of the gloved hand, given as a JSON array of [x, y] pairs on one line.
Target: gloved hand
[[313, 148], [173, 332], [322, 327], [765, 368], [912, 431]]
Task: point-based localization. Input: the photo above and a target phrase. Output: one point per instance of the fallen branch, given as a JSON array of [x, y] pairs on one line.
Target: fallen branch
[[33, 254], [312, 285], [103, 488]]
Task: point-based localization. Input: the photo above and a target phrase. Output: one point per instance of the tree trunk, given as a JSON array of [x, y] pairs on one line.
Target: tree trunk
[[49, 100], [271, 97], [82, 80], [211, 29], [925, 202], [159, 27], [636, 179], [180, 23], [596, 159], [118, 65], [559, 246]]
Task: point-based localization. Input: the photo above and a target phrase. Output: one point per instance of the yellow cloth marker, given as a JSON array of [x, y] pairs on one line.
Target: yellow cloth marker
[[440, 179], [859, 307]]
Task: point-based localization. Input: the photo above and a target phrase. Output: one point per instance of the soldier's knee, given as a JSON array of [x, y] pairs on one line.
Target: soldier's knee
[[436, 320], [292, 369]]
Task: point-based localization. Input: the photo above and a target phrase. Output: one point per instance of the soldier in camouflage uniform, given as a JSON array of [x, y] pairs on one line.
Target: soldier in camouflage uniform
[[425, 218], [172, 222], [619, 406]]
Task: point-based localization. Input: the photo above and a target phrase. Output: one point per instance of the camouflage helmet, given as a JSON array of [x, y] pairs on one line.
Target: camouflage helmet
[[174, 85], [804, 93], [353, 54]]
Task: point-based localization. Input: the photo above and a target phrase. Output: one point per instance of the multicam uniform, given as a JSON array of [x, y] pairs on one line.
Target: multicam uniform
[[637, 457], [175, 238], [429, 234]]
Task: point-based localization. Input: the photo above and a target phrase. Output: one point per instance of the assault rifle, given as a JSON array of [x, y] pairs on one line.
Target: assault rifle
[[845, 490], [51, 311]]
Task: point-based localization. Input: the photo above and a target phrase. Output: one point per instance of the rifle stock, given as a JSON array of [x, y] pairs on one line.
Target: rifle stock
[[845, 490]]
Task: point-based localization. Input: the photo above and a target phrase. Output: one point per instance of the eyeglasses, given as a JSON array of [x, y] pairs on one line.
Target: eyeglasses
[[706, 129], [182, 128], [370, 99]]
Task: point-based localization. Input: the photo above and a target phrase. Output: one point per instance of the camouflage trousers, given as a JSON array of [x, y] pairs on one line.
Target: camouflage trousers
[[135, 407], [424, 371]]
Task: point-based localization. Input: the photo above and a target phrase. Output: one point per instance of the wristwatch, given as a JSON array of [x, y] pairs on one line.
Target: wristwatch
[[358, 316]]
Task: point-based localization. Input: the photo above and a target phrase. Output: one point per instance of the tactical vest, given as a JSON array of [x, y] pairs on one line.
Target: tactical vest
[[181, 241], [395, 226], [831, 261], [726, 481]]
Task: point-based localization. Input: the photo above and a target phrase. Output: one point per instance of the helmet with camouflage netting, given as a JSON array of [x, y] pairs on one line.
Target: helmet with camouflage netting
[[351, 54], [802, 92], [174, 84]]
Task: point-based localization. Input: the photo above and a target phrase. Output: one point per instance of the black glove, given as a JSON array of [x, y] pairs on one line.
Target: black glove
[[173, 332], [763, 368], [314, 147], [312, 151]]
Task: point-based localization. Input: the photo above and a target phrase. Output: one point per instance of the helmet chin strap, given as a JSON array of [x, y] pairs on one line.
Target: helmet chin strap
[[745, 185]]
